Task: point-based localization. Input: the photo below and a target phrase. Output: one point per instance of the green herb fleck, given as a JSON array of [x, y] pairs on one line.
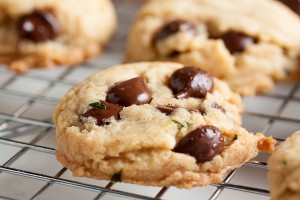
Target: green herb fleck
[[235, 137], [98, 105], [181, 125], [117, 177], [188, 123]]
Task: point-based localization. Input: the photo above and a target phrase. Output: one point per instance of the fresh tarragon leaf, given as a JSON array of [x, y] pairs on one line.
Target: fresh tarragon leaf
[[181, 125], [117, 177], [188, 123], [98, 105]]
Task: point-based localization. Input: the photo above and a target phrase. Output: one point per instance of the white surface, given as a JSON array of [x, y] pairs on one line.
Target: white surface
[[16, 100]]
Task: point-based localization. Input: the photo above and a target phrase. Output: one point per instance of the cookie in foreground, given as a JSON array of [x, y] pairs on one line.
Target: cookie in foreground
[[40, 34], [284, 169], [240, 41], [157, 124]]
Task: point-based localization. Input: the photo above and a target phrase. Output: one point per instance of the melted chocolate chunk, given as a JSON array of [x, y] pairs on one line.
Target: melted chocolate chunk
[[167, 109], [204, 143], [292, 4], [191, 82], [174, 27], [38, 26], [127, 93], [202, 111], [102, 115], [236, 41]]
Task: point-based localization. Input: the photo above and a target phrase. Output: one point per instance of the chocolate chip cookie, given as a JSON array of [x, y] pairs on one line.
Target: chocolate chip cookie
[[249, 44], [47, 33], [154, 124], [284, 169]]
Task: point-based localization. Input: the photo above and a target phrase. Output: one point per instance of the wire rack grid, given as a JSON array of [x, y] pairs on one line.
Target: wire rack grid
[[29, 170]]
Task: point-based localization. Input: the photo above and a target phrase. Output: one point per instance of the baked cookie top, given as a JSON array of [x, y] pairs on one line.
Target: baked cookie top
[[157, 123], [284, 169], [48, 32], [237, 40]]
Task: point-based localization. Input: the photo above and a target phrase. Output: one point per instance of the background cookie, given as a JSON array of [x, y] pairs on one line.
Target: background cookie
[[126, 124], [51, 32], [284, 166], [247, 43]]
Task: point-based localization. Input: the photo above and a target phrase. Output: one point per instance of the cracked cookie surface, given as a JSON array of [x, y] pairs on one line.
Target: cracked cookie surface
[[239, 41], [156, 123], [47, 33]]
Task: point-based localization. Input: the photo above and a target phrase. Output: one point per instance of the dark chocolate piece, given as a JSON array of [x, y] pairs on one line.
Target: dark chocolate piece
[[204, 143], [191, 82], [127, 93], [38, 26], [102, 115], [167, 109], [174, 27], [236, 42]]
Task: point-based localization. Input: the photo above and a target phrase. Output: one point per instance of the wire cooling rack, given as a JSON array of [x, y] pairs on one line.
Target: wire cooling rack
[[29, 170]]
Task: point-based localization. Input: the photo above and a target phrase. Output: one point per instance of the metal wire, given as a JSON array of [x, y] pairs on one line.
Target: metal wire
[[44, 127]]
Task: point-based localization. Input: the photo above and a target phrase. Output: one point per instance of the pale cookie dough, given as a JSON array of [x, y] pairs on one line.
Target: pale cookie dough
[[151, 137], [248, 43], [284, 169], [46, 33]]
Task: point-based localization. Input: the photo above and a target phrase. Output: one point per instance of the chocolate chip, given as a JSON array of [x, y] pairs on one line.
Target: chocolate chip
[[174, 27], [204, 143], [168, 109], [127, 93], [38, 26], [292, 4], [191, 82], [202, 111], [236, 41], [103, 115]]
